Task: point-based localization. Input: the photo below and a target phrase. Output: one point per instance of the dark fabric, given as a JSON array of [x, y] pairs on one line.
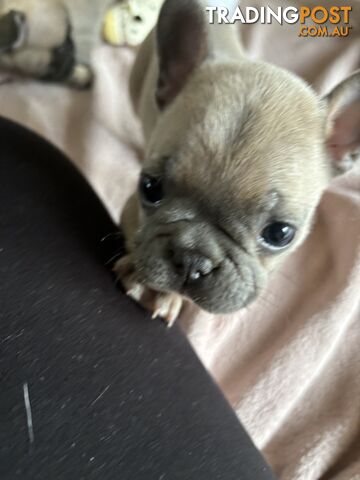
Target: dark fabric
[[90, 388]]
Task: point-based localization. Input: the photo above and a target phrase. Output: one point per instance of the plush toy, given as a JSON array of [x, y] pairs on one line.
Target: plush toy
[[52, 40], [37, 39]]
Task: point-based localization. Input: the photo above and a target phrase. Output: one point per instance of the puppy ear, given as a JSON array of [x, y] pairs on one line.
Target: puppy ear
[[181, 45], [343, 127], [11, 30]]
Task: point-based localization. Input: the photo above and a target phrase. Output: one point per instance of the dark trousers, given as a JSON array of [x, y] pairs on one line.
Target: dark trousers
[[90, 387]]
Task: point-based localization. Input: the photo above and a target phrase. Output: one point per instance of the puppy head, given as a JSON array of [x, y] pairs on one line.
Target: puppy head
[[235, 166]]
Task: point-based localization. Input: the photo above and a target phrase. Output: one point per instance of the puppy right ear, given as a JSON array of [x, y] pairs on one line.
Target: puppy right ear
[[343, 128], [12, 30], [182, 46]]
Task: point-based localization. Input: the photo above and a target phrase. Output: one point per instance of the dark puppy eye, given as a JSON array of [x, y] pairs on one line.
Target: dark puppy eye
[[151, 190], [277, 235]]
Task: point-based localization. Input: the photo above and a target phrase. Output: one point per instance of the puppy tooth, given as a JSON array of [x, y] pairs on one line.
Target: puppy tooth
[[136, 292]]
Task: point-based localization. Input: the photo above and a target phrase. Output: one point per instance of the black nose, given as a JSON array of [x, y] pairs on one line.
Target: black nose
[[191, 265]]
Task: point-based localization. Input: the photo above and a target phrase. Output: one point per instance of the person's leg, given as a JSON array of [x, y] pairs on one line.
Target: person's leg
[[90, 388]]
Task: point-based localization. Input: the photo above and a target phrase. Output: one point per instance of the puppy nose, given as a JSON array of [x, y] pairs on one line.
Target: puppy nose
[[191, 264]]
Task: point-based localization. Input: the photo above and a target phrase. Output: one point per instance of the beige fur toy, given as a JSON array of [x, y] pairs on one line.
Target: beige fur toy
[[51, 39]]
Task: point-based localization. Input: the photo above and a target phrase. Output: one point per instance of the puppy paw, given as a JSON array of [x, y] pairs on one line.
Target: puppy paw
[[161, 304], [167, 306]]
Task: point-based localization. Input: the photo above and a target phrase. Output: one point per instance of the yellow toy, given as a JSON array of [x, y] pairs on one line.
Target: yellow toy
[[129, 22]]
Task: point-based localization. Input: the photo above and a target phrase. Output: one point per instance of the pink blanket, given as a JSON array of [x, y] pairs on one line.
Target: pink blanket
[[290, 363]]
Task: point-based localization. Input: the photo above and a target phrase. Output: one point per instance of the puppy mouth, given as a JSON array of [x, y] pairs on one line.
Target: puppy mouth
[[230, 289], [225, 288]]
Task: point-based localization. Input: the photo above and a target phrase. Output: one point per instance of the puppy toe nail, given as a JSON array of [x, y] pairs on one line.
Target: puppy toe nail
[[170, 320], [170, 323], [155, 314]]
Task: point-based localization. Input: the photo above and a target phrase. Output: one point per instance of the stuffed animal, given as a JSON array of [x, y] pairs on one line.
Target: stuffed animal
[[52, 40]]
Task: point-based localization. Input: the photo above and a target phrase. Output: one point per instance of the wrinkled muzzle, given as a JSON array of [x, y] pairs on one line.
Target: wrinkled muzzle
[[191, 258]]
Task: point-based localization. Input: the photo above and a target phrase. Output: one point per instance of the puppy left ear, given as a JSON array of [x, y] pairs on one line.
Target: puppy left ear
[[343, 124], [181, 45]]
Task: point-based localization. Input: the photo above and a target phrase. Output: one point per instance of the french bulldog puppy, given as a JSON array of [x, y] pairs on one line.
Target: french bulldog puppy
[[50, 39], [238, 153]]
